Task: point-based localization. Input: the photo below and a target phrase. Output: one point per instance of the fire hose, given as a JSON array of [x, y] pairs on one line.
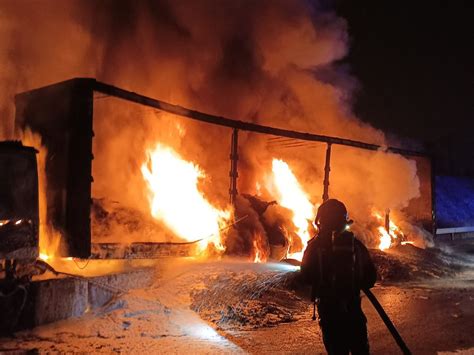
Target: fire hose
[[385, 318], [388, 323]]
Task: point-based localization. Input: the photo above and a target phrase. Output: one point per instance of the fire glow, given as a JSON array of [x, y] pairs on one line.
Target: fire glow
[[385, 238], [258, 258], [49, 238], [175, 198], [389, 236], [284, 75], [291, 195]]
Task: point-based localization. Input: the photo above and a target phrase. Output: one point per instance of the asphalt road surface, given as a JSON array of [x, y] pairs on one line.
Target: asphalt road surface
[[433, 316]]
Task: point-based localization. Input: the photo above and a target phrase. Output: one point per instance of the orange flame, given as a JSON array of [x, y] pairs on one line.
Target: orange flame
[[259, 258], [385, 238], [291, 195], [394, 235], [49, 238], [176, 200]]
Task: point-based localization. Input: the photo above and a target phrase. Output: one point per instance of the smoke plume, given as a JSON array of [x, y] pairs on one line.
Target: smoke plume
[[272, 62]]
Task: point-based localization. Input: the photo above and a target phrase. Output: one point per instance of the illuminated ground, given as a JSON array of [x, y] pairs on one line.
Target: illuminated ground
[[431, 319], [432, 316]]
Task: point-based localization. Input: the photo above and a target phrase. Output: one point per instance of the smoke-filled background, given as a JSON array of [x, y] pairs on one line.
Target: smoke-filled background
[[274, 62]]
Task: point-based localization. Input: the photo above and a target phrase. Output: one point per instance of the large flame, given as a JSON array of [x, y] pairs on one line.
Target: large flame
[[49, 238], [258, 253], [390, 237], [175, 198], [291, 195], [385, 238]]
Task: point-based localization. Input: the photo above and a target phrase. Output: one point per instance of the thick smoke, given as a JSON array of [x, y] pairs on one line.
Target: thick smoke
[[272, 62]]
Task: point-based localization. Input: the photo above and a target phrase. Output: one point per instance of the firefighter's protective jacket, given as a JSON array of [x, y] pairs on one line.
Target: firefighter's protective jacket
[[337, 266]]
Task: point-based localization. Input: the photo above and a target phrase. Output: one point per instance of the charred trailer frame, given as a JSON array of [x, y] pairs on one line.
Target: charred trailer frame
[[63, 115]]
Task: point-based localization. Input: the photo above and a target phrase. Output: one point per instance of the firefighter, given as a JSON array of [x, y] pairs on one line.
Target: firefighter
[[338, 266]]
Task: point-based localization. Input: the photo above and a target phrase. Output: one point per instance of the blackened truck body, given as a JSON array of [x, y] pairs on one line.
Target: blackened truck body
[[19, 216]]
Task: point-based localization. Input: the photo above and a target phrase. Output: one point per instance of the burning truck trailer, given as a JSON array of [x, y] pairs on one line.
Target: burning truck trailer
[[91, 208]]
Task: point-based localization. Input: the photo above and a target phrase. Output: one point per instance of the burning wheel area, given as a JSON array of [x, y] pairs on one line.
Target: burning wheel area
[[130, 176]]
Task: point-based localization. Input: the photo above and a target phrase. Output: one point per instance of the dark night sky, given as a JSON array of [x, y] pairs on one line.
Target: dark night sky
[[414, 63]]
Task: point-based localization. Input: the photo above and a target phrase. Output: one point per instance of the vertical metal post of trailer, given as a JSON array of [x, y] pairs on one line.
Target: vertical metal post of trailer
[[433, 195], [387, 220], [327, 169], [234, 158]]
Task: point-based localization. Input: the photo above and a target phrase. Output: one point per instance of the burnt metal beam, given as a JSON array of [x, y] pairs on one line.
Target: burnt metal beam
[[241, 125], [234, 158], [433, 196], [327, 170], [387, 220]]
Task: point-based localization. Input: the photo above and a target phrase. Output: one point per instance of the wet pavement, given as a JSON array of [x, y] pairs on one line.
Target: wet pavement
[[432, 316]]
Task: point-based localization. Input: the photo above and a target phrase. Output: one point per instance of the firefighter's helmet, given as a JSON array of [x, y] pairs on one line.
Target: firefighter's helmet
[[332, 213]]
